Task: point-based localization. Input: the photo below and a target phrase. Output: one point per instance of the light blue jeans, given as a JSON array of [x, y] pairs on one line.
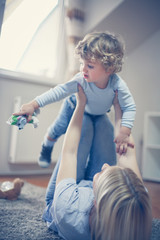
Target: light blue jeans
[[96, 145]]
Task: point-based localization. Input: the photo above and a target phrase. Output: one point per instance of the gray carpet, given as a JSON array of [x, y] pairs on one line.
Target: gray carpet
[[21, 219]]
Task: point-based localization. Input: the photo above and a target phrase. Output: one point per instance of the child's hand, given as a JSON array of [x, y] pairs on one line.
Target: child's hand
[[27, 109], [123, 141], [81, 97]]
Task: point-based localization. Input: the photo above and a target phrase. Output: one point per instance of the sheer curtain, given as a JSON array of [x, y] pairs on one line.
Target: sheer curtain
[[2, 7]]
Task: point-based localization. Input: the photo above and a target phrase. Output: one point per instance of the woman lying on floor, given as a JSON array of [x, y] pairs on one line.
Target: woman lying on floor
[[96, 200]]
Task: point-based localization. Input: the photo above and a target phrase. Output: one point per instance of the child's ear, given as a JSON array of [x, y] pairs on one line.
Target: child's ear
[[110, 70]]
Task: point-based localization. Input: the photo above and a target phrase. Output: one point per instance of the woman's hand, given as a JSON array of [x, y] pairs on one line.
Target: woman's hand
[[115, 100], [81, 97], [123, 141]]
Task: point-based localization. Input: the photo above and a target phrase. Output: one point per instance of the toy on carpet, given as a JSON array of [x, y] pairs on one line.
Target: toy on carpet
[[11, 190], [21, 120]]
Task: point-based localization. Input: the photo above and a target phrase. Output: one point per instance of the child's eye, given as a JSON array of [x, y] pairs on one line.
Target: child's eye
[[90, 66]]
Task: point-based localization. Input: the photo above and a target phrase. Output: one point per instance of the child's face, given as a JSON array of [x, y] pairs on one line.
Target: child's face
[[93, 71]]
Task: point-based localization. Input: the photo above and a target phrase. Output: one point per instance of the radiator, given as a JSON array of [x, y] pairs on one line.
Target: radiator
[[25, 144], [14, 132]]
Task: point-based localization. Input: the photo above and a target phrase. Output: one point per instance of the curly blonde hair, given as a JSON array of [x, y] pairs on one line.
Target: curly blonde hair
[[104, 47], [123, 208]]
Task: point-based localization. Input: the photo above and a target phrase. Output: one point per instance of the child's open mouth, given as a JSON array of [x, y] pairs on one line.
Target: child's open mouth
[[85, 76]]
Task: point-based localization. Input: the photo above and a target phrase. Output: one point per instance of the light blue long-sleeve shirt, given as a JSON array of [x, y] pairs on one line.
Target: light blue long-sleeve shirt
[[68, 214], [99, 101]]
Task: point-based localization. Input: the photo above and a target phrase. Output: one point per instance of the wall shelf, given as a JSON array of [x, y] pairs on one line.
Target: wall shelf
[[151, 147]]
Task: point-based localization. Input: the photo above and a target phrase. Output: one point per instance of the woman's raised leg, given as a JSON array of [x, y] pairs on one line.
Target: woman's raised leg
[[103, 146]]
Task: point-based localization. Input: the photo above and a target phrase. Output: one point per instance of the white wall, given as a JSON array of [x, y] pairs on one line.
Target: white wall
[[97, 11], [29, 139], [141, 72]]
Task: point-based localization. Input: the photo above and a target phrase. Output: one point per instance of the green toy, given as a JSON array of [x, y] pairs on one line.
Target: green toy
[[21, 120]]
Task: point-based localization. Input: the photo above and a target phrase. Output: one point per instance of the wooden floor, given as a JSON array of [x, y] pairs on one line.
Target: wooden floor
[[42, 181]]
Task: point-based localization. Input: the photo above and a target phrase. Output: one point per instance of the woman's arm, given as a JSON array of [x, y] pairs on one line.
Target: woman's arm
[[127, 160], [68, 165]]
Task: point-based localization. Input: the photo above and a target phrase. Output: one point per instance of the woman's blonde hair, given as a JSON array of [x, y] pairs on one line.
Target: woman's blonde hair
[[123, 209], [104, 47]]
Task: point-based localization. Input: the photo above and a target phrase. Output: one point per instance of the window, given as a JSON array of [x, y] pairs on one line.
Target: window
[[29, 37]]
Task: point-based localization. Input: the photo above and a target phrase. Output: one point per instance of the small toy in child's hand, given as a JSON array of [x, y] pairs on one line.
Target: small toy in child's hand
[[21, 120]]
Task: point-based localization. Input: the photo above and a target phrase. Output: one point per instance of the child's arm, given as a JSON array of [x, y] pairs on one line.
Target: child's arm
[[127, 160], [122, 133], [55, 94], [128, 108], [68, 165]]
